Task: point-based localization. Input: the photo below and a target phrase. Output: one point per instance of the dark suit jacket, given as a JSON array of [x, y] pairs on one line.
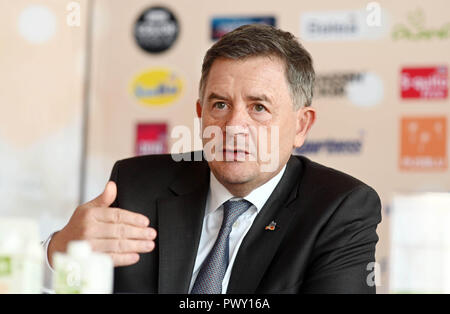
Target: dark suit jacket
[[324, 238]]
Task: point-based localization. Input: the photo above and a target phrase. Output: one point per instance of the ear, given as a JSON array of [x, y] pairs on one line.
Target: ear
[[199, 109], [305, 119]]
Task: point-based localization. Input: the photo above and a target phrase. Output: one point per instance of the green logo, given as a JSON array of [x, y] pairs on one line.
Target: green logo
[[415, 28], [67, 282], [68, 279], [5, 266]]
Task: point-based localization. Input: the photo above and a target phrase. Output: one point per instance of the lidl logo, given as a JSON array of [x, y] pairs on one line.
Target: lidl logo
[[423, 143], [157, 88]]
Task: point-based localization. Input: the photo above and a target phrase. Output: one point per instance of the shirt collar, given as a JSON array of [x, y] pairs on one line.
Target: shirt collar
[[218, 194]]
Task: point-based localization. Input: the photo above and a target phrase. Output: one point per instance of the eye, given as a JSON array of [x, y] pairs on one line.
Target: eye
[[259, 108], [220, 105]]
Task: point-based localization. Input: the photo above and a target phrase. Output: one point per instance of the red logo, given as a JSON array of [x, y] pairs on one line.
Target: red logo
[[428, 83], [151, 139]]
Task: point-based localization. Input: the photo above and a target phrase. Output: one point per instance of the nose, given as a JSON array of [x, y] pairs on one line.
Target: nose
[[237, 127], [238, 118]]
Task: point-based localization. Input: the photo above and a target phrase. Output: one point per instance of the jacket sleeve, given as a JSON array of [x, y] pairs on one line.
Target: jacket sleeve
[[344, 252]]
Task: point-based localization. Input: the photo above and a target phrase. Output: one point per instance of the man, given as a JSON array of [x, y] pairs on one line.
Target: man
[[228, 224]]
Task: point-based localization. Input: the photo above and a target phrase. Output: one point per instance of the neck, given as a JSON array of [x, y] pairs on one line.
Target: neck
[[240, 189]]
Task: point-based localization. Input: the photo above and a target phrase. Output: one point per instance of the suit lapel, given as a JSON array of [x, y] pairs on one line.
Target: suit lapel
[[259, 245], [180, 220]]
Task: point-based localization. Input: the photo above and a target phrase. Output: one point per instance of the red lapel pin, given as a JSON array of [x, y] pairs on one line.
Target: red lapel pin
[[271, 226]]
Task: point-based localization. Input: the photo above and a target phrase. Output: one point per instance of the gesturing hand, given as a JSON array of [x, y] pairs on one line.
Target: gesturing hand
[[118, 232]]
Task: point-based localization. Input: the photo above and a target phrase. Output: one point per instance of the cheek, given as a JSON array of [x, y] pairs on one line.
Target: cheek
[[213, 118], [276, 138], [207, 122], [287, 140], [262, 118], [211, 133]]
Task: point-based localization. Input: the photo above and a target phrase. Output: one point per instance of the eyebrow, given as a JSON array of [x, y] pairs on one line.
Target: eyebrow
[[261, 97], [213, 96]]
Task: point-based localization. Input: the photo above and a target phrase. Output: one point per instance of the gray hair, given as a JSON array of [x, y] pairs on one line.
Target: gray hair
[[264, 40]]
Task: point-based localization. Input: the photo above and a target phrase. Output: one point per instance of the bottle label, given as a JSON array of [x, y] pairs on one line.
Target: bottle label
[[5, 266]]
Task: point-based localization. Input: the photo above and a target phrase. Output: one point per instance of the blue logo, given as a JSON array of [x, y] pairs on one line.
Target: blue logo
[[222, 25], [330, 146]]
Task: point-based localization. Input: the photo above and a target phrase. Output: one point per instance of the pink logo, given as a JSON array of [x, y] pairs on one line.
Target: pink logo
[[151, 138]]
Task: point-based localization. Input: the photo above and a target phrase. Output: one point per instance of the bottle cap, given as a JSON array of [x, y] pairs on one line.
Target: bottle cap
[[79, 249]]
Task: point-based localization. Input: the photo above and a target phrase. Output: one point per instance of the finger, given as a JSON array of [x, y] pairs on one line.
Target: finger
[[120, 246], [121, 216], [124, 259], [122, 231], [106, 198]]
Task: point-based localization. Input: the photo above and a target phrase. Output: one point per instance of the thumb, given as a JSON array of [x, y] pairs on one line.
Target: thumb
[[107, 197]]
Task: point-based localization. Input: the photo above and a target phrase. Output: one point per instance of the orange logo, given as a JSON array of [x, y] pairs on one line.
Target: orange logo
[[423, 143]]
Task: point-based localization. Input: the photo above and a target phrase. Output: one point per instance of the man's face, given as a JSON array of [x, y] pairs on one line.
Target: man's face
[[246, 98]]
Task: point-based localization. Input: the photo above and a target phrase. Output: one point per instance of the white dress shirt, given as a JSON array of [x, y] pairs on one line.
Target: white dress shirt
[[212, 222]]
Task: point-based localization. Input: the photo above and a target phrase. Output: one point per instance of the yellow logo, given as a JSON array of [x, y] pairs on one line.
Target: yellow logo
[[157, 88]]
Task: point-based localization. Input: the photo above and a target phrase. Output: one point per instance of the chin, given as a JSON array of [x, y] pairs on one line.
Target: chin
[[235, 172]]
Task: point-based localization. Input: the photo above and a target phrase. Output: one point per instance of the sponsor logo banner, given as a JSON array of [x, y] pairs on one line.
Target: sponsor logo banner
[[331, 146], [151, 138], [342, 25], [415, 28], [362, 88], [424, 83], [156, 30], [423, 143], [222, 25], [157, 87]]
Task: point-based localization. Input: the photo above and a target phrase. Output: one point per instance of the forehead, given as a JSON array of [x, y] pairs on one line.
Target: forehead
[[253, 73]]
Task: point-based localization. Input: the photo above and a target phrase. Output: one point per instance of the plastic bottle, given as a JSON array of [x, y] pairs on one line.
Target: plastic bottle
[[82, 271], [21, 256]]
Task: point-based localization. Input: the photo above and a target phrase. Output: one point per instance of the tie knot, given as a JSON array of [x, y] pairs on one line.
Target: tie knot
[[233, 209]]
